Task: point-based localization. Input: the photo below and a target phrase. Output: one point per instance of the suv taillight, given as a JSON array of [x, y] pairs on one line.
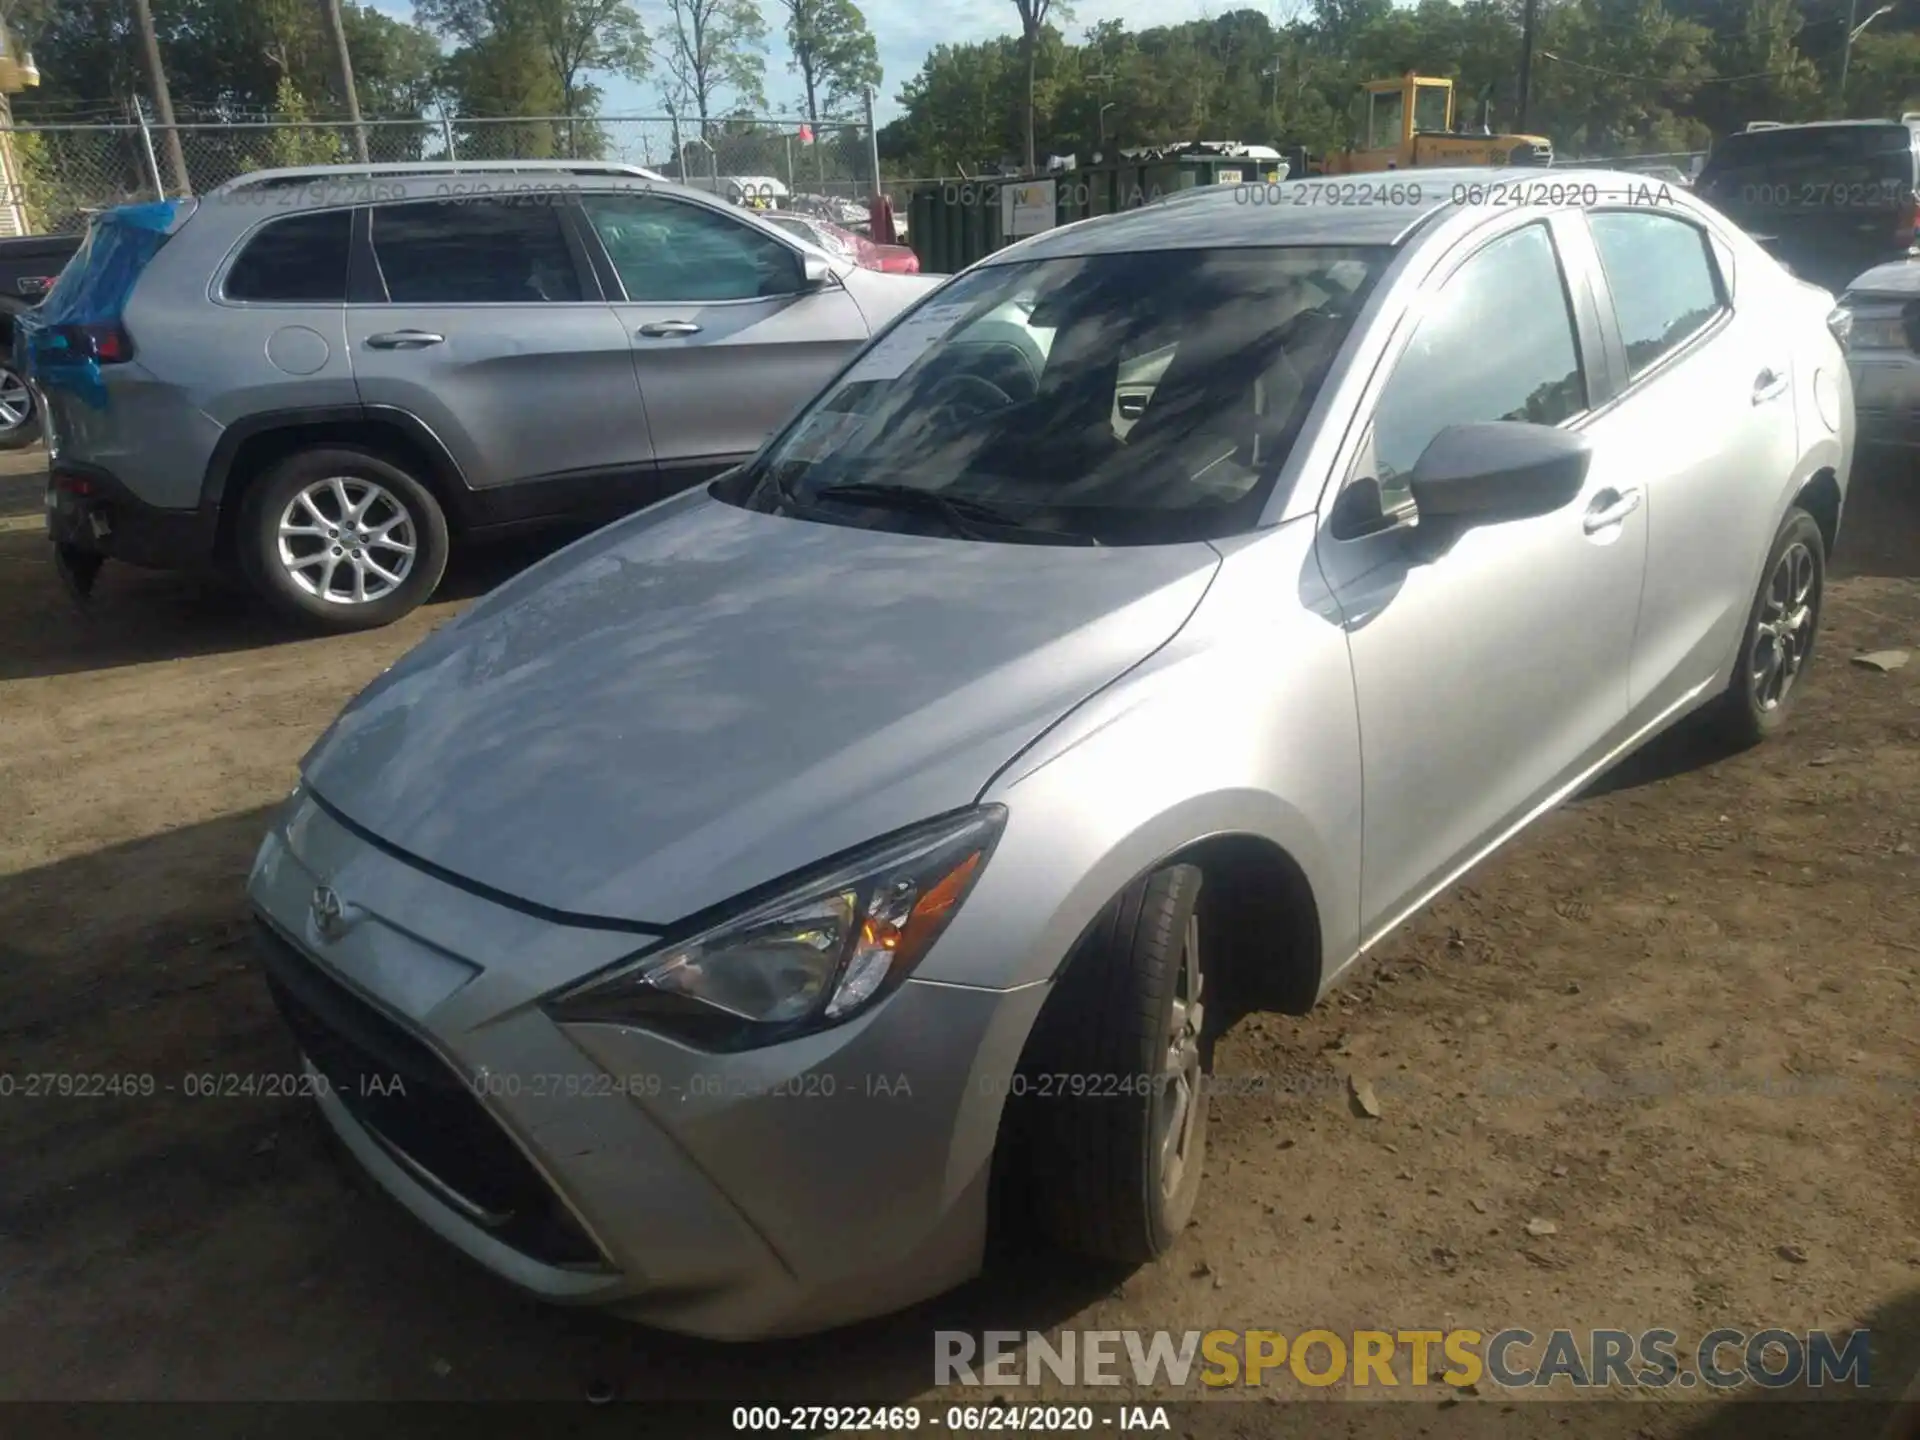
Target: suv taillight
[[108, 344], [1908, 235]]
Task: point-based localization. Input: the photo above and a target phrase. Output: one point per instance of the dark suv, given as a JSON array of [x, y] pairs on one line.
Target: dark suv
[[1828, 200]]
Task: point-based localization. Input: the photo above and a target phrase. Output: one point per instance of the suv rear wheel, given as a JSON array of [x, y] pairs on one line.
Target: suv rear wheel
[[341, 539], [19, 416]]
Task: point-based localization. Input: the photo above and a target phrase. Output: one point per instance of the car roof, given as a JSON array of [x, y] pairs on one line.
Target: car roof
[[1743, 138], [1379, 208], [248, 199]]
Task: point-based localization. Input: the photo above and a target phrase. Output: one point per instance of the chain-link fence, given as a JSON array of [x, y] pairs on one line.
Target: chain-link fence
[[56, 175]]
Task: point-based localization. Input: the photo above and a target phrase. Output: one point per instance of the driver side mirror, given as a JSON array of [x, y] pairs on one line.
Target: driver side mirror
[[815, 272], [1498, 470]]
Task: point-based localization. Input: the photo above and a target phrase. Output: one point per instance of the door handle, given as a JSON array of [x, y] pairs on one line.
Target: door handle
[[663, 329], [405, 340], [1767, 385], [1607, 512]]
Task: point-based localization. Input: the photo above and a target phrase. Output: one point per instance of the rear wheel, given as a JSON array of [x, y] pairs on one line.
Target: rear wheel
[[19, 415], [1781, 629], [1113, 1090], [341, 539]]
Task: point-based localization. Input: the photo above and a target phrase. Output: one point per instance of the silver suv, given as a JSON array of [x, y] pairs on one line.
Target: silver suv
[[322, 376]]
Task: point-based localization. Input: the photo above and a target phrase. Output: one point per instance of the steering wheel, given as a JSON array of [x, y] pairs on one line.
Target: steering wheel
[[963, 397]]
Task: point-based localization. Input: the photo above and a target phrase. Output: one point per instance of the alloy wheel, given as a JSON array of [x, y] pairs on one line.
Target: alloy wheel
[[1182, 1101], [16, 401], [1783, 633], [347, 540]]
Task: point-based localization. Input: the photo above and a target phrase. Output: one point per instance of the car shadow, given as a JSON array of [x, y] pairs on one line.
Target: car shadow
[[137, 617], [1880, 531], [1691, 745], [1838, 1411]]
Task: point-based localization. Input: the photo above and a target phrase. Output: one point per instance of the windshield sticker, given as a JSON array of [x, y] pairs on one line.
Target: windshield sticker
[[894, 354]]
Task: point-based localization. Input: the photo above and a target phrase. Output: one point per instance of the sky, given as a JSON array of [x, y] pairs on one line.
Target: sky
[[906, 31]]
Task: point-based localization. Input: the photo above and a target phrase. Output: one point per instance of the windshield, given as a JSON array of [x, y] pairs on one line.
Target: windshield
[[1386, 111], [1132, 398]]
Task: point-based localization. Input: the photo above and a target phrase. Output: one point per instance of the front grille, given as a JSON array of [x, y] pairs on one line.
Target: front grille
[[401, 1091]]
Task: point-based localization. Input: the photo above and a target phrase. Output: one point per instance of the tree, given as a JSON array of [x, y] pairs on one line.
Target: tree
[[568, 38], [715, 47], [1033, 19], [833, 52], [302, 143]]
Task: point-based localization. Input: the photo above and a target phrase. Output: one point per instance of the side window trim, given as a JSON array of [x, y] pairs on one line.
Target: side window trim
[[371, 283], [1359, 443], [617, 288], [582, 233], [365, 284], [1610, 315], [217, 287]]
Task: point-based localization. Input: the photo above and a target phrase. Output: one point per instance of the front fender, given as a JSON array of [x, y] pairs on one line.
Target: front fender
[[1244, 723]]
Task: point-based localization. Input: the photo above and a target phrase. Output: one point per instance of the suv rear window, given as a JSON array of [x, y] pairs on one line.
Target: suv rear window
[[298, 259], [475, 252], [1796, 166]]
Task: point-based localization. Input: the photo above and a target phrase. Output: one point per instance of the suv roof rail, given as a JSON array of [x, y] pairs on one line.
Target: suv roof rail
[[296, 174], [1765, 125]]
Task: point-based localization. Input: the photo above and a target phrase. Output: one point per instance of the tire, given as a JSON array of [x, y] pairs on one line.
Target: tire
[[1756, 705], [17, 400], [1094, 1164], [384, 493]]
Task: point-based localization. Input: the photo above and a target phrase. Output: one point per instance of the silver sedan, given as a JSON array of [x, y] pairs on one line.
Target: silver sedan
[[715, 920]]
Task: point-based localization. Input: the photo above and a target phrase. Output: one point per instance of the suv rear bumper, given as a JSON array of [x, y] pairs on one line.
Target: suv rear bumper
[[90, 509]]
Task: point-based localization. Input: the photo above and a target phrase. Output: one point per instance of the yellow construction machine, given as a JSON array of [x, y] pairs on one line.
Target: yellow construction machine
[[1410, 124]]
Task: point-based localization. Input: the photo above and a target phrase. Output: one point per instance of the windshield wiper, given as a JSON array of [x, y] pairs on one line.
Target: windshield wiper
[[963, 516]]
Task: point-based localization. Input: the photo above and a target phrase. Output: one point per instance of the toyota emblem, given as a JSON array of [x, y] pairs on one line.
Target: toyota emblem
[[328, 910]]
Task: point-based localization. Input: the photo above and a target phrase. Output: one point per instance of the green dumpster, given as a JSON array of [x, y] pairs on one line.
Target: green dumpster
[[952, 223]]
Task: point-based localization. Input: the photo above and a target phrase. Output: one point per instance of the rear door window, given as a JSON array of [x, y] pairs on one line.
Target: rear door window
[[1661, 272], [301, 259], [503, 251]]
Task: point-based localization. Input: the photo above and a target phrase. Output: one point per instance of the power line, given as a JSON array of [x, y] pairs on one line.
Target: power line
[[1665, 79]]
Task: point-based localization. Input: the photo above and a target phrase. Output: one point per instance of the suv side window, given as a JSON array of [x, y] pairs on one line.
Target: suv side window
[[672, 250], [1497, 343], [1665, 287], [300, 259], [498, 251]]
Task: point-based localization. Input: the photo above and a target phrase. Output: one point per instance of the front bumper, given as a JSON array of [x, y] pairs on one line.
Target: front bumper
[[781, 1191], [89, 509]]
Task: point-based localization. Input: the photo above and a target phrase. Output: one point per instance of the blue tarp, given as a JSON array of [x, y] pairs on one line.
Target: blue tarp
[[93, 290]]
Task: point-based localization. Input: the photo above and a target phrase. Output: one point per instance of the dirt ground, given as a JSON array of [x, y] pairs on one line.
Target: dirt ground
[[1680, 1020]]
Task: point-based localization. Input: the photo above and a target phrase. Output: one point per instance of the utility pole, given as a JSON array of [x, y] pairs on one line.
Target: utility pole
[[162, 98], [337, 27], [1531, 14], [1846, 53]]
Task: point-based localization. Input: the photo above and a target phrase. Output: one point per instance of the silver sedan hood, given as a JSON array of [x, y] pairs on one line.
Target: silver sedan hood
[[700, 698]]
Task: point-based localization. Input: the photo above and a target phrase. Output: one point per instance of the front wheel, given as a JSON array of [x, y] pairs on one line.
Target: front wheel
[[1115, 1078], [1781, 629], [341, 539]]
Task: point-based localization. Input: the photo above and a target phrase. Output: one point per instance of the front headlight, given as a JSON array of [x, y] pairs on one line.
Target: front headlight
[[818, 953]]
